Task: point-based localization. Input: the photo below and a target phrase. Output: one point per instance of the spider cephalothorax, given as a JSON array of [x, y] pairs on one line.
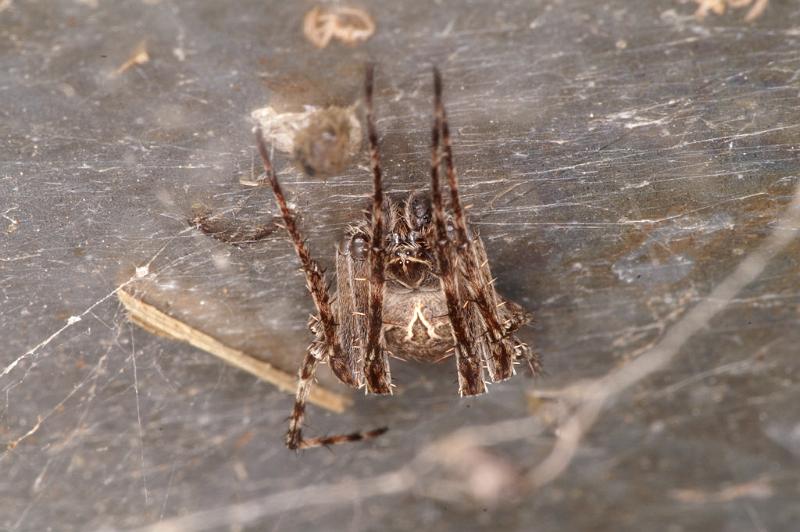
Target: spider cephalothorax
[[409, 256], [412, 282]]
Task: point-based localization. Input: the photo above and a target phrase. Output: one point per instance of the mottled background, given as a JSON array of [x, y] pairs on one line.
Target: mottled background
[[621, 158]]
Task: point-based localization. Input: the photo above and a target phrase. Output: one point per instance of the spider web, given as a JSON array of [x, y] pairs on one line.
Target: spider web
[[621, 160]]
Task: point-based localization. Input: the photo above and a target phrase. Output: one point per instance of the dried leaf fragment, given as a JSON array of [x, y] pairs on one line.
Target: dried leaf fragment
[[329, 141], [321, 140], [348, 24], [228, 231], [139, 56], [718, 7]]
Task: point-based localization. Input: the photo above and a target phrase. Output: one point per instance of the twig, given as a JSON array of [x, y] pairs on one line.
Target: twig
[[153, 320], [343, 492]]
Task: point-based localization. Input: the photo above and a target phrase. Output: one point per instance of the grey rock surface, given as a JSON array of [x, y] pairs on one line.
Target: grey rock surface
[[620, 158]]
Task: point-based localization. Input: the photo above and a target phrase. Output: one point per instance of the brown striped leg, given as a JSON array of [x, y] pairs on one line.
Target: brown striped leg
[[474, 264], [497, 330], [315, 277], [352, 294], [294, 438], [513, 317], [325, 441], [305, 380], [524, 352], [470, 371], [376, 363]]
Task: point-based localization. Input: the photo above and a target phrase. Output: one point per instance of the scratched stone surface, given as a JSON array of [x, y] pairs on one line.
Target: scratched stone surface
[[620, 159]]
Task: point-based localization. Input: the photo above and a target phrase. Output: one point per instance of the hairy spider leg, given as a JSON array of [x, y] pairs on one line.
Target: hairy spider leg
[[331, 346], [294, 439], [470, 370], [481, 291], [315, 276], [376, 363], [510, 316]]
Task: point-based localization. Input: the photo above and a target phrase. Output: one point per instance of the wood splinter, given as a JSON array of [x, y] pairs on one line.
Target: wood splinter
[[157, 322]]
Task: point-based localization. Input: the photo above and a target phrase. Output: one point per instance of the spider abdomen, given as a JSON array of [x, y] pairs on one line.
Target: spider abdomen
[[416, 324]]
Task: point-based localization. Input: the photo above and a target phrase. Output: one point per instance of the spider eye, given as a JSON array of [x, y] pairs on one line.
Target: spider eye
[[418, 211], [358, 247]]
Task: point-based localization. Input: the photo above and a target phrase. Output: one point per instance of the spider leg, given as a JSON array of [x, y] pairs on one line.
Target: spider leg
[[315, 277], [502, 318], [328, 346], [294, 437], [470, 371], [500, 354], [305, 380], [352, 294], [376, 363], [513, 317]]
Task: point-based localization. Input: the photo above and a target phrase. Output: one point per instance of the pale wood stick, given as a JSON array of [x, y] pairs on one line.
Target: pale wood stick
[[157, 322]]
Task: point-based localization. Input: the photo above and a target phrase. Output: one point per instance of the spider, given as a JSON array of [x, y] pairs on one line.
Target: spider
[[413, 281]]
